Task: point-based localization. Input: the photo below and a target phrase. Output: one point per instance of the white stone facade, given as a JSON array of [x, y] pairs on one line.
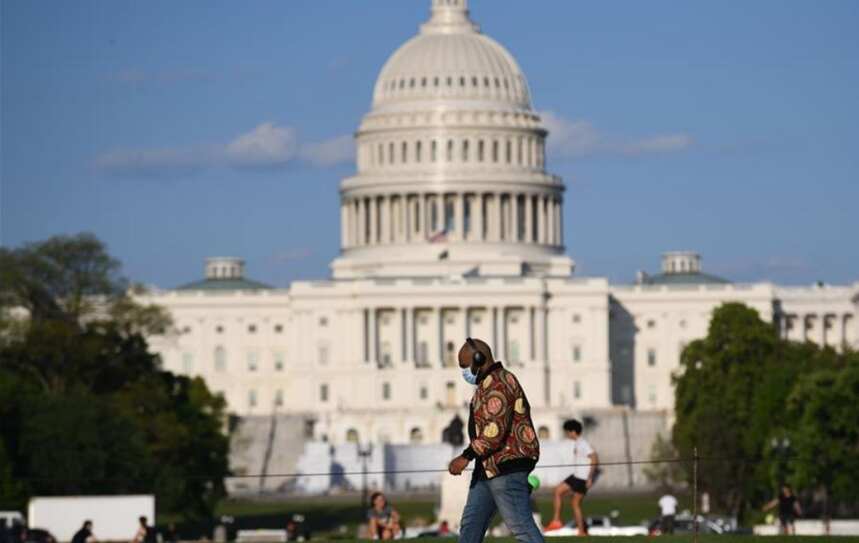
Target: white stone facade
[[451, 227]]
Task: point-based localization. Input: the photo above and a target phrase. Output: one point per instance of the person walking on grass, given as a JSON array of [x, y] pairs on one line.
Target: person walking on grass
[[788, 509], [503, 445], [585, 464]]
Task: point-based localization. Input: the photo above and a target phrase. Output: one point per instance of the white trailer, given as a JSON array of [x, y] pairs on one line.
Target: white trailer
[[114, 518]]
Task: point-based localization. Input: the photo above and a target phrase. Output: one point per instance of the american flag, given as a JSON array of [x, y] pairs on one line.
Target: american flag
[[439, 236]]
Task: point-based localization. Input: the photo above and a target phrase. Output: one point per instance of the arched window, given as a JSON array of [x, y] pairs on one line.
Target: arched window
[[509, 150], [352, 435], [465, 150], [494, 150], [391, 158], [416, 436], [418, 152], [480, 151], [404, 150], [449, 150], [433, 151]]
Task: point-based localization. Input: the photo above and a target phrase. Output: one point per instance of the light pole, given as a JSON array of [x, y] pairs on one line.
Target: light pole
[[364, 452], [781, 447]]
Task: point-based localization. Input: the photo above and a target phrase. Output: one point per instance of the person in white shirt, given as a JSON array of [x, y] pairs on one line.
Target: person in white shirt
[[585, 463], [668, 508]]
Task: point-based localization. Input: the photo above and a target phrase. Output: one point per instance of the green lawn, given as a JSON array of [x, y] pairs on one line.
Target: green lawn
[[675, 538]]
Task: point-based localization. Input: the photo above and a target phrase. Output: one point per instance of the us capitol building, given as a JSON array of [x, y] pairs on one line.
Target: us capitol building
[[452, 227]]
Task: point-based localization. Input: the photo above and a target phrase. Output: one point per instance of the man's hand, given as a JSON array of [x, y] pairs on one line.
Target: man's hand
[[457, 465]]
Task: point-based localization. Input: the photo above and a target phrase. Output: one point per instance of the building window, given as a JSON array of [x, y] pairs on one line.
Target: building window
[[278, 361], [386, 391], [577, 353], [391, 158], [323, 393], [480, 146], [278, 398], [495, 151], [219, 329], [423, 354], [252, 398], [187, 363], [423, 393], [252, 329], [323, 322], [513, 351], [433, 151], [404, 152], [577, 390], [186, 330], [450, 390], [278, 328], [651, 394], [323, 355], [220, 359], [418, 152], [449, 354], [386, 359], [651, 324], [651, 357], [577, 318], [252, 361], [449, 156], [352, 435], [465, 150], [416, 436]]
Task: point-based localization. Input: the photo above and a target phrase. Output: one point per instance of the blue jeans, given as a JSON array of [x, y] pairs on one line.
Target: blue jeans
[[508, 494]]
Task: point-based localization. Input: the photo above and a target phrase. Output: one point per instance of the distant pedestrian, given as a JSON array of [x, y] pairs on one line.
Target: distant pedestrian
[[383, 519], [585, 468], [145, 533], [668, 508], [788, 509], [84, 535]]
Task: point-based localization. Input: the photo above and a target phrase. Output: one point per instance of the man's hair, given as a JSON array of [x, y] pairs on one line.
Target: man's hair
[[467, 351], [87, 523], [142, 520], [573, 425]]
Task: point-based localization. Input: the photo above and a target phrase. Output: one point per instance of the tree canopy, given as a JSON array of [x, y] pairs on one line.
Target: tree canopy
[[754, 404], [86, 408]]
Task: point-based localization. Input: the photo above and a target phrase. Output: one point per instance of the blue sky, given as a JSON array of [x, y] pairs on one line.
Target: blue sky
[[727, 127]]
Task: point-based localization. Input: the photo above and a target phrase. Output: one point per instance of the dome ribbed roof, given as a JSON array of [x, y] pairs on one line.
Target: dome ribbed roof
[[451, 60]]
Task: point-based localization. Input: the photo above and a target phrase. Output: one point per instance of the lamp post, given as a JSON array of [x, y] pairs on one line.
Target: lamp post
[[364, 452], [781, 447]]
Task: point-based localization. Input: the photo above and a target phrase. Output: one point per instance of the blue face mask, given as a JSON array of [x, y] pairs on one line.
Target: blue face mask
[[469, 377]]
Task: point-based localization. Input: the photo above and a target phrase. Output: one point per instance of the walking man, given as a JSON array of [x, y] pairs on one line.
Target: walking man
[[503, 445], [585, 464]]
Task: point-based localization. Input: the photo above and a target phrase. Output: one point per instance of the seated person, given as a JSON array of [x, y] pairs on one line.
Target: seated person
[[383, 519]]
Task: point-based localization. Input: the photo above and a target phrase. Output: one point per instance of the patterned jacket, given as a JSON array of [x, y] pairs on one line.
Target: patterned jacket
[[502, 435]]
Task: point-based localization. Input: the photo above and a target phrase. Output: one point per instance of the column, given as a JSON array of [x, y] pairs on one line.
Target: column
[[409, 331], [477, 217], [529, 218], [495, 329], [344, 225], [541, 220], [531, 353], [441, 352], [420, 233], [560, 222], [514, 212], [500, 346], [372, 341], [401, 334], [459, 220], [499, 221], [374, 232], [362, 221], [550, 221]]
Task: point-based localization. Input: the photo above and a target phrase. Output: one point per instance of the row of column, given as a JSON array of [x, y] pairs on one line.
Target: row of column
[[493, 217], [823, 329], [523, 151], [406, 347]]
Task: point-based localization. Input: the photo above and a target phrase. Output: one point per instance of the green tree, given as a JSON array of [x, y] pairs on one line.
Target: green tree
[[716, 403], [85, 407], [824, 436], [667, 474]]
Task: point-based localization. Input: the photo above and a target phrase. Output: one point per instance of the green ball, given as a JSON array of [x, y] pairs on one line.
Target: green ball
[[534, 481]]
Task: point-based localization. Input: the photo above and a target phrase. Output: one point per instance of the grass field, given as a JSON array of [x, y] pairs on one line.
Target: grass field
[[338, 517], [677, 539]]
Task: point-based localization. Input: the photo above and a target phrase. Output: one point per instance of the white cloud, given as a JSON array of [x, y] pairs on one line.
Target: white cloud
[[329, 152], [267, 146], [579, 138]]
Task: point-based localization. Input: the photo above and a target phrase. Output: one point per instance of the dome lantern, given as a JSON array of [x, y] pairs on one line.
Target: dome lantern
[[449, 16]]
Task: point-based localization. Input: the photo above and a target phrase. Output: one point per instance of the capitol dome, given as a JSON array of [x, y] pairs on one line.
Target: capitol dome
[[451, 177], [451, 59]]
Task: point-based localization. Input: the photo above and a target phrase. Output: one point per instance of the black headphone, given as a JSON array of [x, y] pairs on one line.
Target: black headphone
[[477, 357]]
